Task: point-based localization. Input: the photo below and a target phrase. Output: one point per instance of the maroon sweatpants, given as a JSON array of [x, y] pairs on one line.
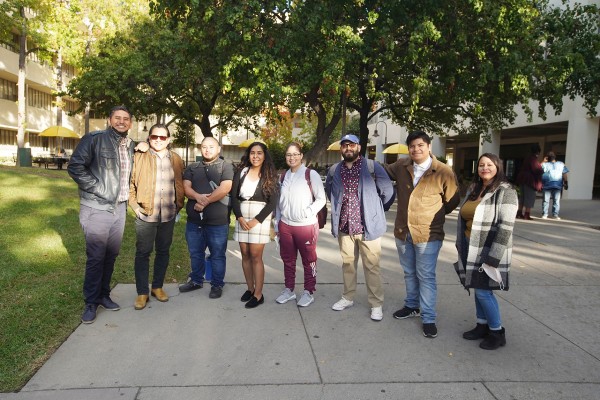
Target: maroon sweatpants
[[303, 239]]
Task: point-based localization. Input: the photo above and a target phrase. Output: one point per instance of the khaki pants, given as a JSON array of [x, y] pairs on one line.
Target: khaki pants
[[370, 251]]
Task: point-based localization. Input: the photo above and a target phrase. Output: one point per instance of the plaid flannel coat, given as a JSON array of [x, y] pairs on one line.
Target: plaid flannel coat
[[490, 241]]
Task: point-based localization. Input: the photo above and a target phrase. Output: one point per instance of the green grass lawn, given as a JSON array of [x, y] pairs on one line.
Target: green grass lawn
[[42, 260]]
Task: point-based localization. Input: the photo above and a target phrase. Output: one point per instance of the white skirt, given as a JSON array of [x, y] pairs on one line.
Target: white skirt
[[261, 233]]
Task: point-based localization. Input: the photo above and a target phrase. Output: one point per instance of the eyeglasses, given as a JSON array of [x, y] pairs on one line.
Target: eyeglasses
[[156, 137], [349, 145], [290, 155]]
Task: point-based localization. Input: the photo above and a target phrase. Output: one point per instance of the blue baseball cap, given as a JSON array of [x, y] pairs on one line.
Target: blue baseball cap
[[350, 138]]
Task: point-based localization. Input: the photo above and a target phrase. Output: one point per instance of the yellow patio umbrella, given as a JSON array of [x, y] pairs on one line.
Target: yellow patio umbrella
[[397, 148], [248, 142], [335, 146], [59, 131]]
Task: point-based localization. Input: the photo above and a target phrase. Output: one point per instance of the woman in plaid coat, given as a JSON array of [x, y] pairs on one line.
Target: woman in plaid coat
[[484, 244]]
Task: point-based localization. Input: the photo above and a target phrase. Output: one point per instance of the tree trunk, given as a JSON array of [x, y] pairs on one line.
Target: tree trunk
[[21, 99], [324, 129]]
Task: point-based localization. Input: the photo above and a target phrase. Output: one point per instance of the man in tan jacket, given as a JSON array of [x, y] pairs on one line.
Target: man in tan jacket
[[427, 191]]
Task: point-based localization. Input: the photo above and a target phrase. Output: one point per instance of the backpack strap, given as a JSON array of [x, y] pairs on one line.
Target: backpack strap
[[307, 177]]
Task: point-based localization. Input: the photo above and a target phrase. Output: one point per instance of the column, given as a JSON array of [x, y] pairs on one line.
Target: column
[[582, 142], [491, 146]]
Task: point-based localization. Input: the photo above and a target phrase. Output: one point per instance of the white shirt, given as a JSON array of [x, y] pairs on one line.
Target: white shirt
[[419, 169]]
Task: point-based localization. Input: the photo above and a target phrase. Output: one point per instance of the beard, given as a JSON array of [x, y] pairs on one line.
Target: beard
[[208, 161], [350, 156]]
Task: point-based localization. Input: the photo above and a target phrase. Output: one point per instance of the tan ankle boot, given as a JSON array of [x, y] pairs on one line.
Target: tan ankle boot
[[140, 302], [160, 294]]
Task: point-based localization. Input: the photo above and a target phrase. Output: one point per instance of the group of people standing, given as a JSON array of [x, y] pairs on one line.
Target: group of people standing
[[154, 182], [549, 177]]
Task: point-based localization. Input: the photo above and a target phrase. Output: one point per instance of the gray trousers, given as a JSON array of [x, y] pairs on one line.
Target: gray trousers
[[103, 231]]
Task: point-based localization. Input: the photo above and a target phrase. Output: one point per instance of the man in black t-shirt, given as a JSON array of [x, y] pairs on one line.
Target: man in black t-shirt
[[207, 184]]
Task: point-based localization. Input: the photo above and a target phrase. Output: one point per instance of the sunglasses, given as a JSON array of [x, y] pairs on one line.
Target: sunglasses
[[156, 137]]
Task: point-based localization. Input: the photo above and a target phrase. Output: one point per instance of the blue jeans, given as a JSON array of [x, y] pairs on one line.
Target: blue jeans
[[487, 309], [419, 262], [201, 237], [555, 194], [149, 234]]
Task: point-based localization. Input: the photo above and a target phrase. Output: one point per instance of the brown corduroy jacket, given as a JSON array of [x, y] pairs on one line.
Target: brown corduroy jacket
[[422, 209]]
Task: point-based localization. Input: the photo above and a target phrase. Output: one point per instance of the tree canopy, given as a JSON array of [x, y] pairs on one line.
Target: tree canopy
[[449, 66]]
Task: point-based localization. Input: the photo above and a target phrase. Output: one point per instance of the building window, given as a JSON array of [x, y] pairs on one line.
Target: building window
[[70, 106], [8, 90], [38, 99], [68, 70], [8, 137], [96, 114]]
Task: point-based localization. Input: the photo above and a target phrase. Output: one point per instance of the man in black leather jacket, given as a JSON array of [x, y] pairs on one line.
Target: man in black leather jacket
[[101, 166]]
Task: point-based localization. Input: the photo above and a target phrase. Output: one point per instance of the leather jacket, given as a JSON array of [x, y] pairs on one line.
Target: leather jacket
[[95, 167]]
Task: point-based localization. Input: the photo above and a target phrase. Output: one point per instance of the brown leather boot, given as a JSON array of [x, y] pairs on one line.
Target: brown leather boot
[[140, 302], [160, 294]]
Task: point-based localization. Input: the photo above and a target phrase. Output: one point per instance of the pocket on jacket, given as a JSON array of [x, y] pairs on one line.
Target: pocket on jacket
[[108, 159]]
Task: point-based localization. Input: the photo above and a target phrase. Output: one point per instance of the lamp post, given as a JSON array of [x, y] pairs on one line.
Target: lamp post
[[376, 134], [379, 153]]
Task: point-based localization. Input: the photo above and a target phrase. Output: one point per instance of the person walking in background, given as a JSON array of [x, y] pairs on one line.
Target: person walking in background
[[529, 180], [554, 179], [254, 197], [207, 185], [101, 166], [427, 191], [301, 197], [155, 195], [358, 198], [484, 245]]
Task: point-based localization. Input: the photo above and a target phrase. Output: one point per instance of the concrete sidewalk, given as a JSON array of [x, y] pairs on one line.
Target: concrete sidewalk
[[193, 347]]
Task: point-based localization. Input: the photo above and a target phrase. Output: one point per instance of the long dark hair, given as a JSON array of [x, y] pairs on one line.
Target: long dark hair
[[268, 173], [477, 185]]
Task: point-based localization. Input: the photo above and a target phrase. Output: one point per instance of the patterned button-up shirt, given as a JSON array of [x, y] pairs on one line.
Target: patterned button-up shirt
[[350, 214], [164, 207], [125, 169]]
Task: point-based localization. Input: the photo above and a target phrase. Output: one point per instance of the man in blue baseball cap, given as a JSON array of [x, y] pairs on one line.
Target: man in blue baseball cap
[[359, 189]]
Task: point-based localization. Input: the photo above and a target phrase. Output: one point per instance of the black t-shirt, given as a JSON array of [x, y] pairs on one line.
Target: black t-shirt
[[200, 174]]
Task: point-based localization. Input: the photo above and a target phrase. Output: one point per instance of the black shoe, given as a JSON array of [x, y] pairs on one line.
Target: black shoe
[[254, 302], [246, 296], [215, 292], [479, 332], [89, 313], [429, 330], [494, 340], [407, 312], [189, 286], [108, 304]]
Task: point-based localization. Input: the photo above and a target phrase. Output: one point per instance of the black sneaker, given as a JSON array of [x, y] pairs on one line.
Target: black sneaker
[[407, 312], [189, 286], [108, 304], [215, 292], [89, 313], [429, 330]]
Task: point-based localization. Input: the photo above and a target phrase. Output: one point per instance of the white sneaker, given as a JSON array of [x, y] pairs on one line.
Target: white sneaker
[[556, 217], [544, 217], [285, 296], [377, 313], [342, 304], [306, 299]]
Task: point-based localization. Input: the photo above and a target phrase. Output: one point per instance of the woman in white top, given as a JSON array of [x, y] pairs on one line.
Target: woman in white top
[[254, 197], [301, 197]]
